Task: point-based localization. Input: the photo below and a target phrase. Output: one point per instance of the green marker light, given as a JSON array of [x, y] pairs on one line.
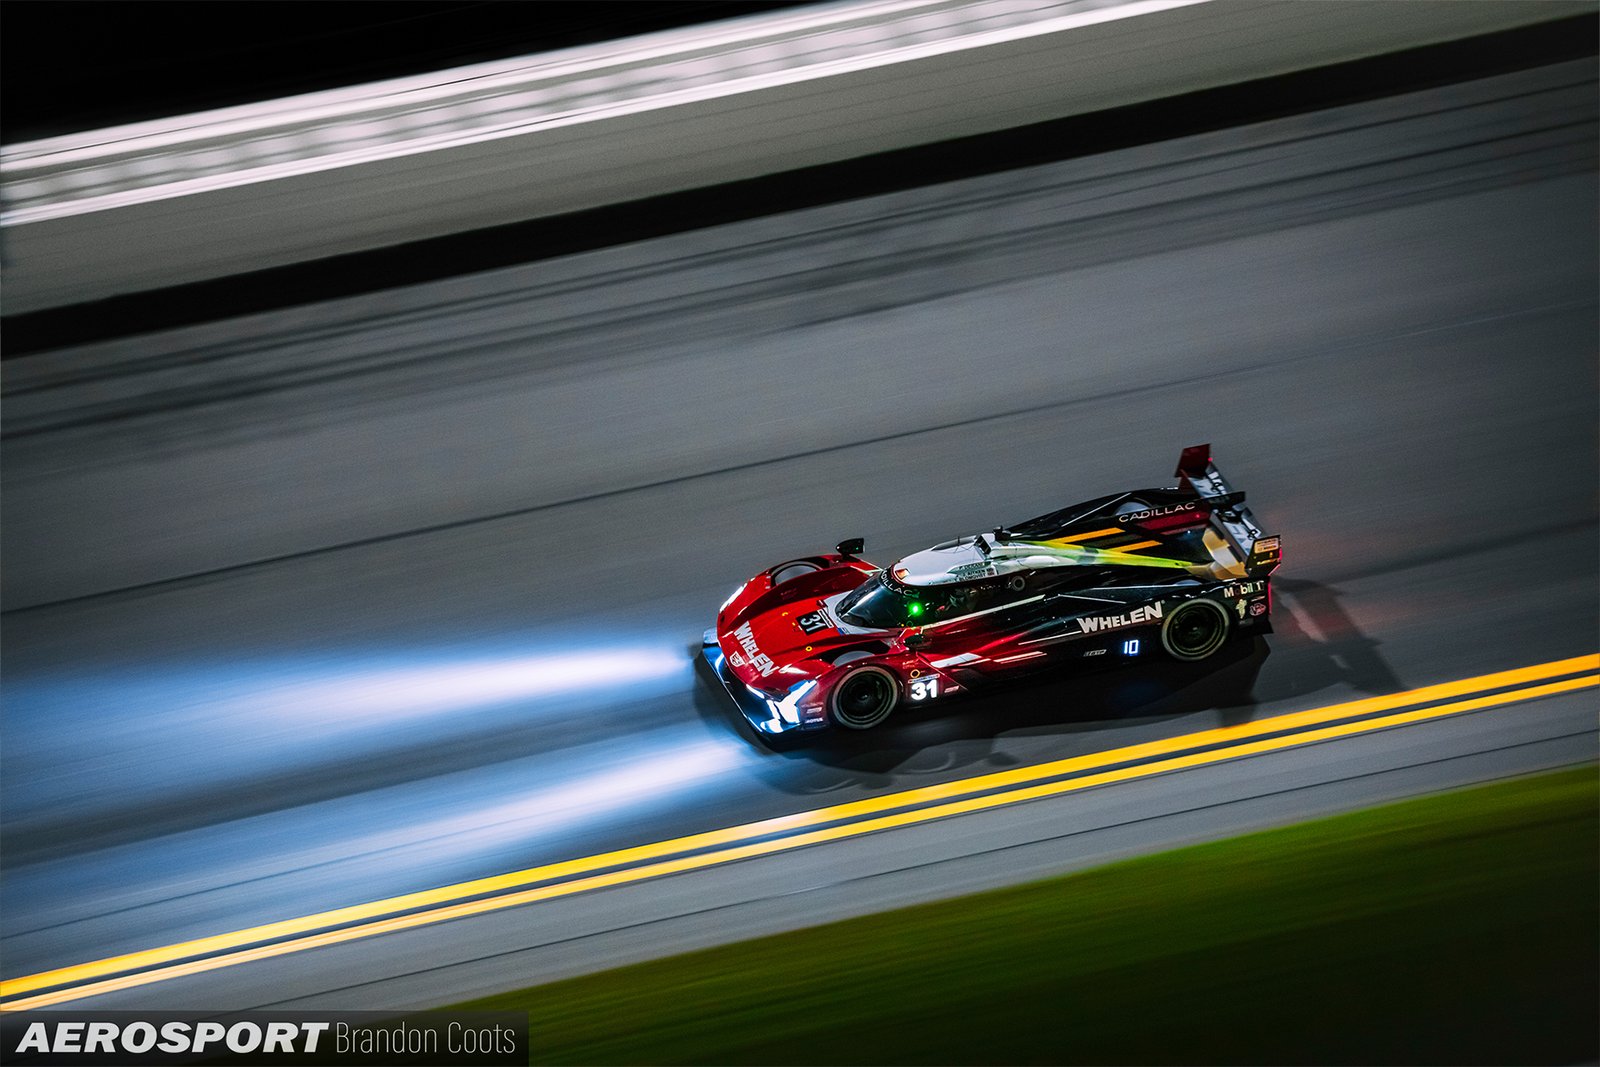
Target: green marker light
[[914, 609]]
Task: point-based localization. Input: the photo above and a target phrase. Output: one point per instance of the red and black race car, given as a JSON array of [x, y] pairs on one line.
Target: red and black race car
[[831, 640]]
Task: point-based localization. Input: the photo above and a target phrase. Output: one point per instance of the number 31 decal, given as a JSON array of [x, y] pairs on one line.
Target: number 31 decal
[[924, 688]]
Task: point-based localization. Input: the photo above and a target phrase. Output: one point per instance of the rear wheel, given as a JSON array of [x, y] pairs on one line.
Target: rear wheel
[[1196, 629], [864, 698]]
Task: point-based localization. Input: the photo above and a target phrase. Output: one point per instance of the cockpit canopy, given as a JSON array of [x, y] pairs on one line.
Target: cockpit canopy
[[882, 603]]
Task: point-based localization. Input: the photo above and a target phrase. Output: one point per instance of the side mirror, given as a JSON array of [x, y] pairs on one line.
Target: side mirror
[[917, 640], [852, 547]]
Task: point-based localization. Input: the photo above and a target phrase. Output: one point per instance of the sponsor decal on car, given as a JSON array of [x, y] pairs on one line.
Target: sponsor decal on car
[[1156, 513], [1245, 588], [758, 659], [814, 621], [1100, 623]]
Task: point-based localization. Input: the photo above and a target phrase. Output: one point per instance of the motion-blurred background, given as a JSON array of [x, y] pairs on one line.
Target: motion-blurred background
[[375, 451]]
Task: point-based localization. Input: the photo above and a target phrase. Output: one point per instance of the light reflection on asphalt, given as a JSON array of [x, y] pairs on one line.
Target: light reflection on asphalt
[[105, 739], [242, 729]]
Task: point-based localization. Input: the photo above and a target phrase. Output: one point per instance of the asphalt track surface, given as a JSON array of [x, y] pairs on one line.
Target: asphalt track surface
[[361, 599]]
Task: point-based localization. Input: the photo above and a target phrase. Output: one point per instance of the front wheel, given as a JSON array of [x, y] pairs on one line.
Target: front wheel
[[864, 698], [1195, 630]]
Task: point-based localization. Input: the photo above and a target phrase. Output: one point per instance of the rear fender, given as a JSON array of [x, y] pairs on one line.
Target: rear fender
[[1238, 544]]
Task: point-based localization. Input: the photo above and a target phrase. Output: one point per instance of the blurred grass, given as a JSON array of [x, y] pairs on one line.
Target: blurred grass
[[1461, 928]]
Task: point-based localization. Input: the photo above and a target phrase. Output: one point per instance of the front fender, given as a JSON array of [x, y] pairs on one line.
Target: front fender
[[834, 574]]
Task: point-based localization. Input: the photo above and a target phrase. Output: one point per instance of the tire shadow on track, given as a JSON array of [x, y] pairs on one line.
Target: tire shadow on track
[[968, 731], [1336, 653]]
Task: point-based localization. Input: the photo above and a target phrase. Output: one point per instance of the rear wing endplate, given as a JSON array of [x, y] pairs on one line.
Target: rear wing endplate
[[1230, 517]]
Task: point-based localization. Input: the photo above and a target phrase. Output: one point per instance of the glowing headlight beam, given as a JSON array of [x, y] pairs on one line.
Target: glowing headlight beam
[[422, 689]]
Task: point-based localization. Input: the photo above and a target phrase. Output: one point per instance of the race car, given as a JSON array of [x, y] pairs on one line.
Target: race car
[[832, 641]]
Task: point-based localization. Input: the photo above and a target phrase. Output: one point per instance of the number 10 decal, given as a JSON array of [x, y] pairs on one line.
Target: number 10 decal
[[924, 688]]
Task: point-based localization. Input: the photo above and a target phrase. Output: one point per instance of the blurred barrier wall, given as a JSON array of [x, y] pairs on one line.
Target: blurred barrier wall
[[1257, 251], [184, 199]]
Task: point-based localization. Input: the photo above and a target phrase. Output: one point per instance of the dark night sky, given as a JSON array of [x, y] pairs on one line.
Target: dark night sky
[[81, 64]]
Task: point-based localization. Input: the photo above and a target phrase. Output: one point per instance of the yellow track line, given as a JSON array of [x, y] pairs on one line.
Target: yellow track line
[[357, 913], [835, 833]]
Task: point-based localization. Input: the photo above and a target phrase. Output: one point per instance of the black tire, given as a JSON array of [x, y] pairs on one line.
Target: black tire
[[1196, 630], [864, 698]]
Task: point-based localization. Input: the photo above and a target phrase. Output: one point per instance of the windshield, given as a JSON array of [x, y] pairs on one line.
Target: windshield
[[884, 604]]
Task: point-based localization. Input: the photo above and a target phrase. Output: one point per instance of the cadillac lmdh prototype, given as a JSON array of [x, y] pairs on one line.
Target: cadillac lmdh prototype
[[831, 640]]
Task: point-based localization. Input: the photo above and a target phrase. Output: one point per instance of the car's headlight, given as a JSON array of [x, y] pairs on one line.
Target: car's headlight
[[788, 709]]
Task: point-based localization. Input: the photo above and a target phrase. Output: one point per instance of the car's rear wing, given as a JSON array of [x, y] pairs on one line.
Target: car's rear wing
[[1259, 552]]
